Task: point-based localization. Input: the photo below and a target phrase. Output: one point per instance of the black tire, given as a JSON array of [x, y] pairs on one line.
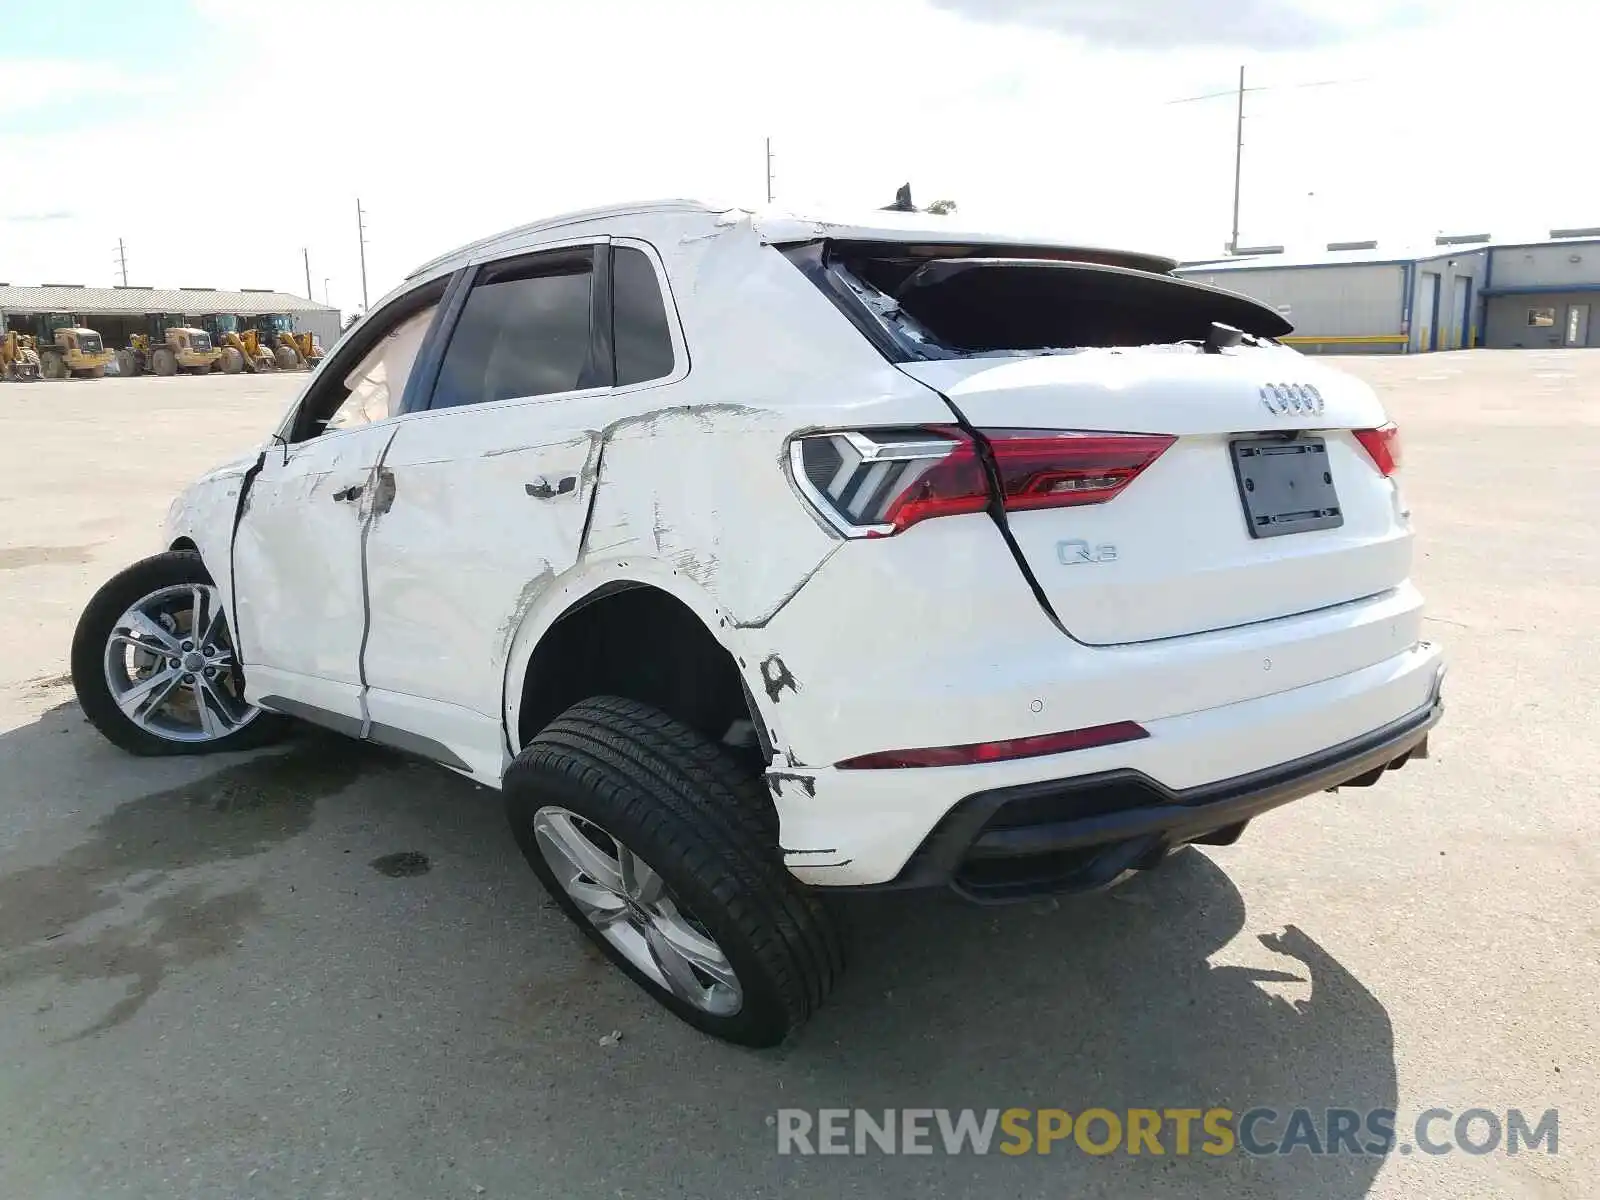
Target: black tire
[[680, 802], [163, 361], [232, 362], [115, 597]]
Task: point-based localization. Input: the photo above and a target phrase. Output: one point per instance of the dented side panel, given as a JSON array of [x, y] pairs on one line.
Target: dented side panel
[[505, 514], [205, 514], [297, 568], [487, 506]]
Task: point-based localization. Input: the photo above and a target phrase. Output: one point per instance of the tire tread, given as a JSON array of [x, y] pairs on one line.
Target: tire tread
[[645, 768]]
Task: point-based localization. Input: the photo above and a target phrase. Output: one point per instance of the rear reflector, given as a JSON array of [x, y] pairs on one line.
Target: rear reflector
[[987, 752], [1382, 446], [882, 482]]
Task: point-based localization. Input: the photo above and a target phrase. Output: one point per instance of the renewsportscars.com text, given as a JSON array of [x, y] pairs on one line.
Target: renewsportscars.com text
[[1163, 1131]]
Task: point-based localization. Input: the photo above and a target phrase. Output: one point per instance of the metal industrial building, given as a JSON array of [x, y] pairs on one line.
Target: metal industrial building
[[118, 312], [1465, 291]]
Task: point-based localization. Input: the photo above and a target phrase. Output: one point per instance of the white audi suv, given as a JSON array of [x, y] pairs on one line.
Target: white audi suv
[[753, 556]]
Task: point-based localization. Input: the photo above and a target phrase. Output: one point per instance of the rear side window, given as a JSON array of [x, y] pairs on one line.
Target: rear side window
[[524, 331], [641, 336]]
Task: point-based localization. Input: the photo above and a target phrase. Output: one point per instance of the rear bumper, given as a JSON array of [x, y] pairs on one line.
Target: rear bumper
[[1082, 833], [1194, 777]]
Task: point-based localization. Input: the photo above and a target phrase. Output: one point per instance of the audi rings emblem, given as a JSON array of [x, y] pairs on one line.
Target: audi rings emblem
[[1291, 400]]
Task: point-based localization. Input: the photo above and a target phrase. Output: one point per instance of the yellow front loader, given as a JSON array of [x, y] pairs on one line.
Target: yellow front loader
[[72, 351], [19, 357], [182, 349], [242, 349]]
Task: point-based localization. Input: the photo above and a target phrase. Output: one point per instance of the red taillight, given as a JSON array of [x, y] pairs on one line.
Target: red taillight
[[1382, 446], [1051, 469], [986, 752], [881, 483], [955, 483]]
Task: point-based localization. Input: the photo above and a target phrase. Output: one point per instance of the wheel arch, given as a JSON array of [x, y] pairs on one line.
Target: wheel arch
[[638, 629]]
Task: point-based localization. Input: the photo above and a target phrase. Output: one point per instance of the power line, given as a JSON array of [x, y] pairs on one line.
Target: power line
[[1238, 132]]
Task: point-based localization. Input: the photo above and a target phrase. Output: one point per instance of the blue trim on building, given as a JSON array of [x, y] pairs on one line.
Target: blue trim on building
[[1438, 287], [1483, 294], [1408, 299], [1539, 289]]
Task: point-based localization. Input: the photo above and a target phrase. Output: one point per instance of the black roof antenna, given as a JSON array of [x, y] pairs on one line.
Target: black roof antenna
[[902, 201]]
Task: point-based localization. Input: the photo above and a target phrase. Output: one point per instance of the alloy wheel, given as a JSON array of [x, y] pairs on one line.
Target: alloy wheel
[[171, 666], [630, 905]]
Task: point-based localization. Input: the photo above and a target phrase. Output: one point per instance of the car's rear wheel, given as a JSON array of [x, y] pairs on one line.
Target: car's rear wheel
[[650, 837], [154, 665]]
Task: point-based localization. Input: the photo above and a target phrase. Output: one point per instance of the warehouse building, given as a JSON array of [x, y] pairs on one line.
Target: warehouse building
[[117, 313], [1462, 292], [1541, 294]]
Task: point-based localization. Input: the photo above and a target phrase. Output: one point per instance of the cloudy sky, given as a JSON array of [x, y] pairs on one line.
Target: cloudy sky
[[217, 145]]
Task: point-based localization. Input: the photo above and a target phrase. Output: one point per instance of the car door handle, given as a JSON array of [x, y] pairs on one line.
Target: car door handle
[[542, 489], [349, 494]]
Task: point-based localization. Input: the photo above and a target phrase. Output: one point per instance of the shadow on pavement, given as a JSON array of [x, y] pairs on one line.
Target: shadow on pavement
[[1107, 1001], [468, 1022]]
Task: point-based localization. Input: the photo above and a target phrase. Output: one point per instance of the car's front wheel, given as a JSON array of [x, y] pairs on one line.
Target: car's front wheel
[[651, 838], [154, 665]]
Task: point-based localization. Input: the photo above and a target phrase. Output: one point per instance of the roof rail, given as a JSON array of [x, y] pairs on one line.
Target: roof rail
[[1460, 239], [130, 287], [1241, 251], [269, 291], [1369, 245], [1588, 232], [62, 285], [196, 289]]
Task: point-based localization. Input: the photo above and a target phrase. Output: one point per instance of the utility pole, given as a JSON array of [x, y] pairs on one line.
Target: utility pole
[[361, 234], [122, 258], [306, 254], [1238, 131], [1238, 165], [325, 290], [769, 170]]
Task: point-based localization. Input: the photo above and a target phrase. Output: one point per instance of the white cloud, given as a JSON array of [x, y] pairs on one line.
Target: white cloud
[[450, 129], [27, 85]]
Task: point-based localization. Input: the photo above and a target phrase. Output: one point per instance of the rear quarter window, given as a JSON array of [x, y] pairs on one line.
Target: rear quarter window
[[642, 338]]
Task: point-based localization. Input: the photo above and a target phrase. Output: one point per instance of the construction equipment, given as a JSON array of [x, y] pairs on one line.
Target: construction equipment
[[69, 349], [181, 348], [19, 357], [241, 348], [292, 351]]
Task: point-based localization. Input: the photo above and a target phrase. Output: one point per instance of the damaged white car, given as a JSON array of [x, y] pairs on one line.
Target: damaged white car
[[758, 556]]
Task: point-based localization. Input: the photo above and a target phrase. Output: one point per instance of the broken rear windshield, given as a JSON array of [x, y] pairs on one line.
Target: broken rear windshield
[[944, 305]]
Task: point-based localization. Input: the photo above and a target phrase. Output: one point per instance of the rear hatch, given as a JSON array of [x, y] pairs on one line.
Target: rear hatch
[[1166, 467], [1185, 547]]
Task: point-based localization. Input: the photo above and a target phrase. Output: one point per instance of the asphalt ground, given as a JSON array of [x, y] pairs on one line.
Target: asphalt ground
[[214, 981]]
